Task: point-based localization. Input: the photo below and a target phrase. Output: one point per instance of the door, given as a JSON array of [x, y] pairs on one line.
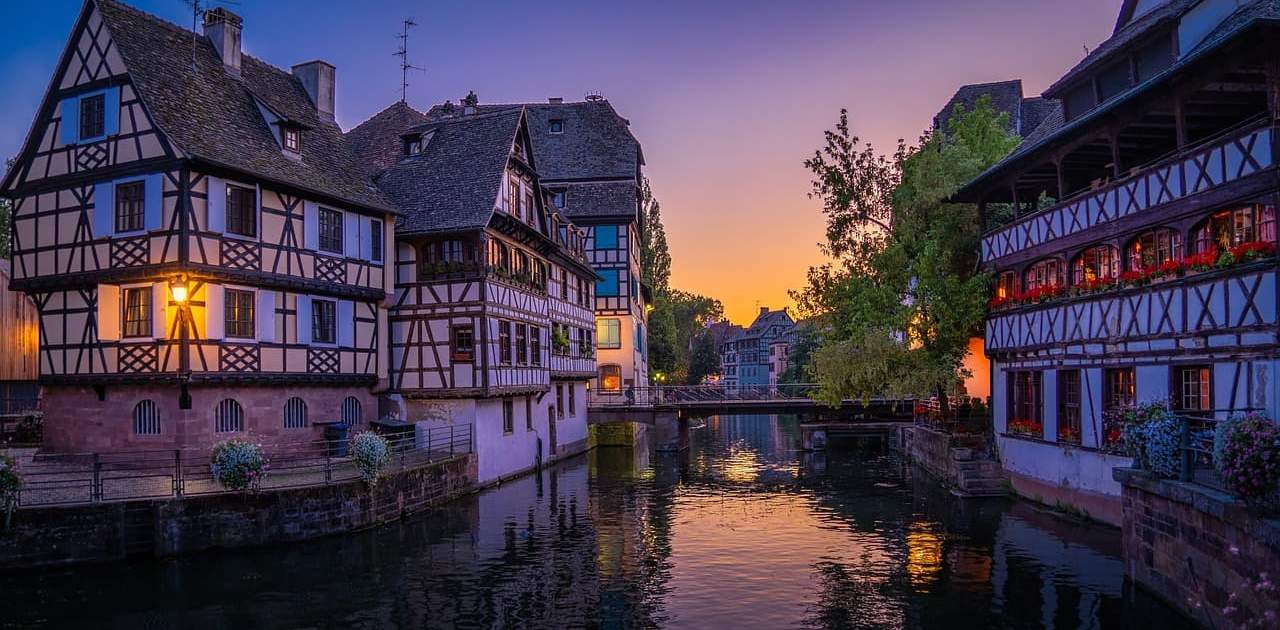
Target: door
[[551, 429]]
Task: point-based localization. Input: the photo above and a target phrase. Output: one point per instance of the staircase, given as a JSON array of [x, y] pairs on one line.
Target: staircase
[[976, 477]]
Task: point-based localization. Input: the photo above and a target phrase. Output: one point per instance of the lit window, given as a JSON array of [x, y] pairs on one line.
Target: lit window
[[611, 378], [1193, 388], [292, 139], [1120, 390], [1154, 248], [1230, 228], [608, 333], [137, 312], [1046, 273]]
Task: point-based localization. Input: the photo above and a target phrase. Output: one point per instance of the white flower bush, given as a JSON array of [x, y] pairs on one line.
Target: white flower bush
[[371, 455], [237, 464]]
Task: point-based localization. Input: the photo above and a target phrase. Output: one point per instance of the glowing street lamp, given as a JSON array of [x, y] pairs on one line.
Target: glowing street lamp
[[178, 290]]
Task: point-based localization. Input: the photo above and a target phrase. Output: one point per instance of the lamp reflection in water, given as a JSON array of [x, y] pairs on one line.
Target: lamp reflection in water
[[924, 554]]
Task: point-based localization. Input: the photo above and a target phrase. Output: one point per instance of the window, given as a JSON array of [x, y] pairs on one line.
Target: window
[[557, 199], [137, 312], [1006, 285], [1113, 80], [639, 337], [611, 378], [228, 417], [1119, 389], [529, 208], [504, 343], [324, 321], [564, 283], [1154, 248], [1026, 402], [1230, 228], [295, 413], [146, 418], [528, 414], [522, 347], [93, 116], [238, 307], [555, 125], [130, 206], [1069, 406], [508, 416], [535, 345], [330, 231], [242, 211], [499, 255], [375, 240], [584, 293], [351, 415], [1193, 387], [513, 198], [572, 403], [291, 138], [1096, 264], [560, 401], [464, 343], [606, 237], [607, 285], [608, 333], [1045, 273], [584, 342]]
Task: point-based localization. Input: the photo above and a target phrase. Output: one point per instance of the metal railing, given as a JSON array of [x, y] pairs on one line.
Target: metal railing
[[79, 478], [670, 395]]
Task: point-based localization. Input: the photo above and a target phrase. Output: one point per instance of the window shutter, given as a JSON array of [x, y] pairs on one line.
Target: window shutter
[[265, 315], [111, 111], [160, 309], [153, 194], [366, 240], [108, 312], [310, 225], [69, 128], [304, 319], [346, 324], [217, 204], [351, 234], [215, 314], [104, 209]]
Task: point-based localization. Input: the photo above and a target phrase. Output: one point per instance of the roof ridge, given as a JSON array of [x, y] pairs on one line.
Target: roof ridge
[[381, 112]]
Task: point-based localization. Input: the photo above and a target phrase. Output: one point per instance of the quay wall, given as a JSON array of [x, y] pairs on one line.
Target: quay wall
[[1194, 546], [114, 531]]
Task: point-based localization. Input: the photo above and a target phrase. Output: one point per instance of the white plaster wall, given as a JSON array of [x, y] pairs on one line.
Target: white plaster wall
[[497, 454], [999, 398], [1152, 383], [574, 426], [1065, 467]]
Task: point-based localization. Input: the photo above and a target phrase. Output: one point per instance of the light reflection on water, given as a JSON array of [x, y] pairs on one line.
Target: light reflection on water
[[739, 531]]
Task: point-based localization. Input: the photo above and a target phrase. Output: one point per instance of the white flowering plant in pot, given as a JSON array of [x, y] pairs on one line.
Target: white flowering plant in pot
[[10, 484], [238, 464], [371, 454]]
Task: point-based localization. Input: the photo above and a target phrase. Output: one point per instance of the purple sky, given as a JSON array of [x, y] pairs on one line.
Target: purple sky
[[727, 96]]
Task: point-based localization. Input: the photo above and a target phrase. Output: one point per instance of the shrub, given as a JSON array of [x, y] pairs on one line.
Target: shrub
[[371, 455], [1247, 456], [10, 480], [1137, 435], [1161, 440], [237, 464]]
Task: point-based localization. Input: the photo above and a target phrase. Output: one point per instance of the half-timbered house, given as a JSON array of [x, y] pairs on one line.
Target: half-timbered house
[[591, 162], [1137, 261], [206, 257], [491, 321]]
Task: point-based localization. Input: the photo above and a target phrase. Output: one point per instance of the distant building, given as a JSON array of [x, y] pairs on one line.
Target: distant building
[[745, 356], [1025, 113]]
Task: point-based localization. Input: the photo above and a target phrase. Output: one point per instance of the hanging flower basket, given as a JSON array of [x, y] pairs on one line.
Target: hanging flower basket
[[371, 455], [237, 464]]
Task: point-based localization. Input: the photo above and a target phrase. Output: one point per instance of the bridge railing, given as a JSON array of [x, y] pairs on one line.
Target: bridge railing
[[672, 395]]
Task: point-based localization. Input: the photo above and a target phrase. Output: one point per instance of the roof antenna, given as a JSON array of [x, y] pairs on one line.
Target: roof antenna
[[403, 54], [196, 12]]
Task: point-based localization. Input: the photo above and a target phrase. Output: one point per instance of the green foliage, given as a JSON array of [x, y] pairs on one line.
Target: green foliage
[[6, 217], [705, 359], [655, 259], [800, 355], [904, 296], [675, 325]]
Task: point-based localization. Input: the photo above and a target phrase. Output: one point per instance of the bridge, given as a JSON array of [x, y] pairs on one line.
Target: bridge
[[641, 404]]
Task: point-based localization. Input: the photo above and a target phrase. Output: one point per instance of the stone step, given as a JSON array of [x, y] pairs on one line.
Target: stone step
[[972, 485]]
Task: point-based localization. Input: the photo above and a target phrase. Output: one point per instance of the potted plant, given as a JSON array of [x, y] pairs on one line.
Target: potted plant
[[1247, 456], [237, 464], [560, 342], [10, 486], [371, 455]]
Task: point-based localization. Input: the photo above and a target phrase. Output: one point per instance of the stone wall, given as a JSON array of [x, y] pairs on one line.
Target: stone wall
[[113, 531], [1194, 546]]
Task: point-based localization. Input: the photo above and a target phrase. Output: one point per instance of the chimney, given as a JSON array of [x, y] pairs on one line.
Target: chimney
[[317, 78], [223, 27], [555, 100], [470, 102], [764, 310]]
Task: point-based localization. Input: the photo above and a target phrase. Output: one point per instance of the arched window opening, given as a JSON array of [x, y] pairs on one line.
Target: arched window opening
[[1153, 248], [295, 413], [146, 418], [351, 411], [1045, 273], [228, 417], [1096, 264], [1230, 228]]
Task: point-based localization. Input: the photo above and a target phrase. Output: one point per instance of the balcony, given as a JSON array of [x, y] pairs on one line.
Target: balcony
[[1229, 157]]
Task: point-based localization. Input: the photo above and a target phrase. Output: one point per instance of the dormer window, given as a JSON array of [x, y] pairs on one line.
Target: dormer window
[[555, 125], [291, 138], [557, 198], [92, 116], [413, 146]]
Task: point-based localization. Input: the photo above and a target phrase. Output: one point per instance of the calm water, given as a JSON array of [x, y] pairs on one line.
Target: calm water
[[740, 531]]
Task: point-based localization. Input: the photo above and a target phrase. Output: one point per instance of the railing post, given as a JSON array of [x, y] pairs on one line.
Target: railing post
[[1184, 442], [95, 493], [328, 466], [178, 481]]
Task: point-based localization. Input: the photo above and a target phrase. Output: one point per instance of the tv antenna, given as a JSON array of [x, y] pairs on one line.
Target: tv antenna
[[403, 54], [197, 10]]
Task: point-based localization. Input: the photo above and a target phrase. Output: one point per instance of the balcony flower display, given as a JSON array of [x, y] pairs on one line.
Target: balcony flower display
[[1246, 453], [1137, 277], [1028, 427], [237, 464], [1069, 435], [1168, 269], [1203, 261], [1253, 250]]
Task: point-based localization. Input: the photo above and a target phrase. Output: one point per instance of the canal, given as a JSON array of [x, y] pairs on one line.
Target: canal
[[742, 530]]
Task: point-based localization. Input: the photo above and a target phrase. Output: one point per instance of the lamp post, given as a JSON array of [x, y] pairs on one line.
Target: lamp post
[[180, 292]]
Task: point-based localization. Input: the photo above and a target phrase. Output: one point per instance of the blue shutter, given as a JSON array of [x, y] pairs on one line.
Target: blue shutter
[[265, 315], [310, 225], [606, 237], [217, 204], [153, 192], [366, 241], [111, 111], [346, 324], [607, 285], [70, 126], [104, 209], [304, 319]]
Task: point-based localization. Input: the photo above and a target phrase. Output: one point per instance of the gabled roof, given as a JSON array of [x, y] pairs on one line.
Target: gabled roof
[[376, 142], [454, 183], [210, 115], [1126, 31], [765, 320], [1025, 114]]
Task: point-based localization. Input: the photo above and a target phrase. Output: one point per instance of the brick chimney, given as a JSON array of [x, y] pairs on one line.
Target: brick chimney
[[223, 28], [317, 78], [555, 100]]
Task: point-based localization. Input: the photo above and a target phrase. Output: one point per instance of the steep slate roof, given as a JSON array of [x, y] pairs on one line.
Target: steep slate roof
[[212, 116], [1168, 12], [376, 142], [454, 183], [1025, 114], [765, 320]]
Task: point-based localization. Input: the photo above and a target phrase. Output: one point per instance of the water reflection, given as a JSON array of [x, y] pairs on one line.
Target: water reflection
[[739, 531]]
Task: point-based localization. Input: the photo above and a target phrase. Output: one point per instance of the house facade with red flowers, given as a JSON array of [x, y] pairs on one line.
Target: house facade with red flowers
[[1132, 238]]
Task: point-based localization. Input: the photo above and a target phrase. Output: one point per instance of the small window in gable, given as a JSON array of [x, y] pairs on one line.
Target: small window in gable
[[556, 125], [93, 116], [413, 145], [557, 198], [291, 138]]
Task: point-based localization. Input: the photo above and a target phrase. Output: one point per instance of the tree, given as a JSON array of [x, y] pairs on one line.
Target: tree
[[705, 360], [6, 217], [904, 295], [655, 259], [800, 354]]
